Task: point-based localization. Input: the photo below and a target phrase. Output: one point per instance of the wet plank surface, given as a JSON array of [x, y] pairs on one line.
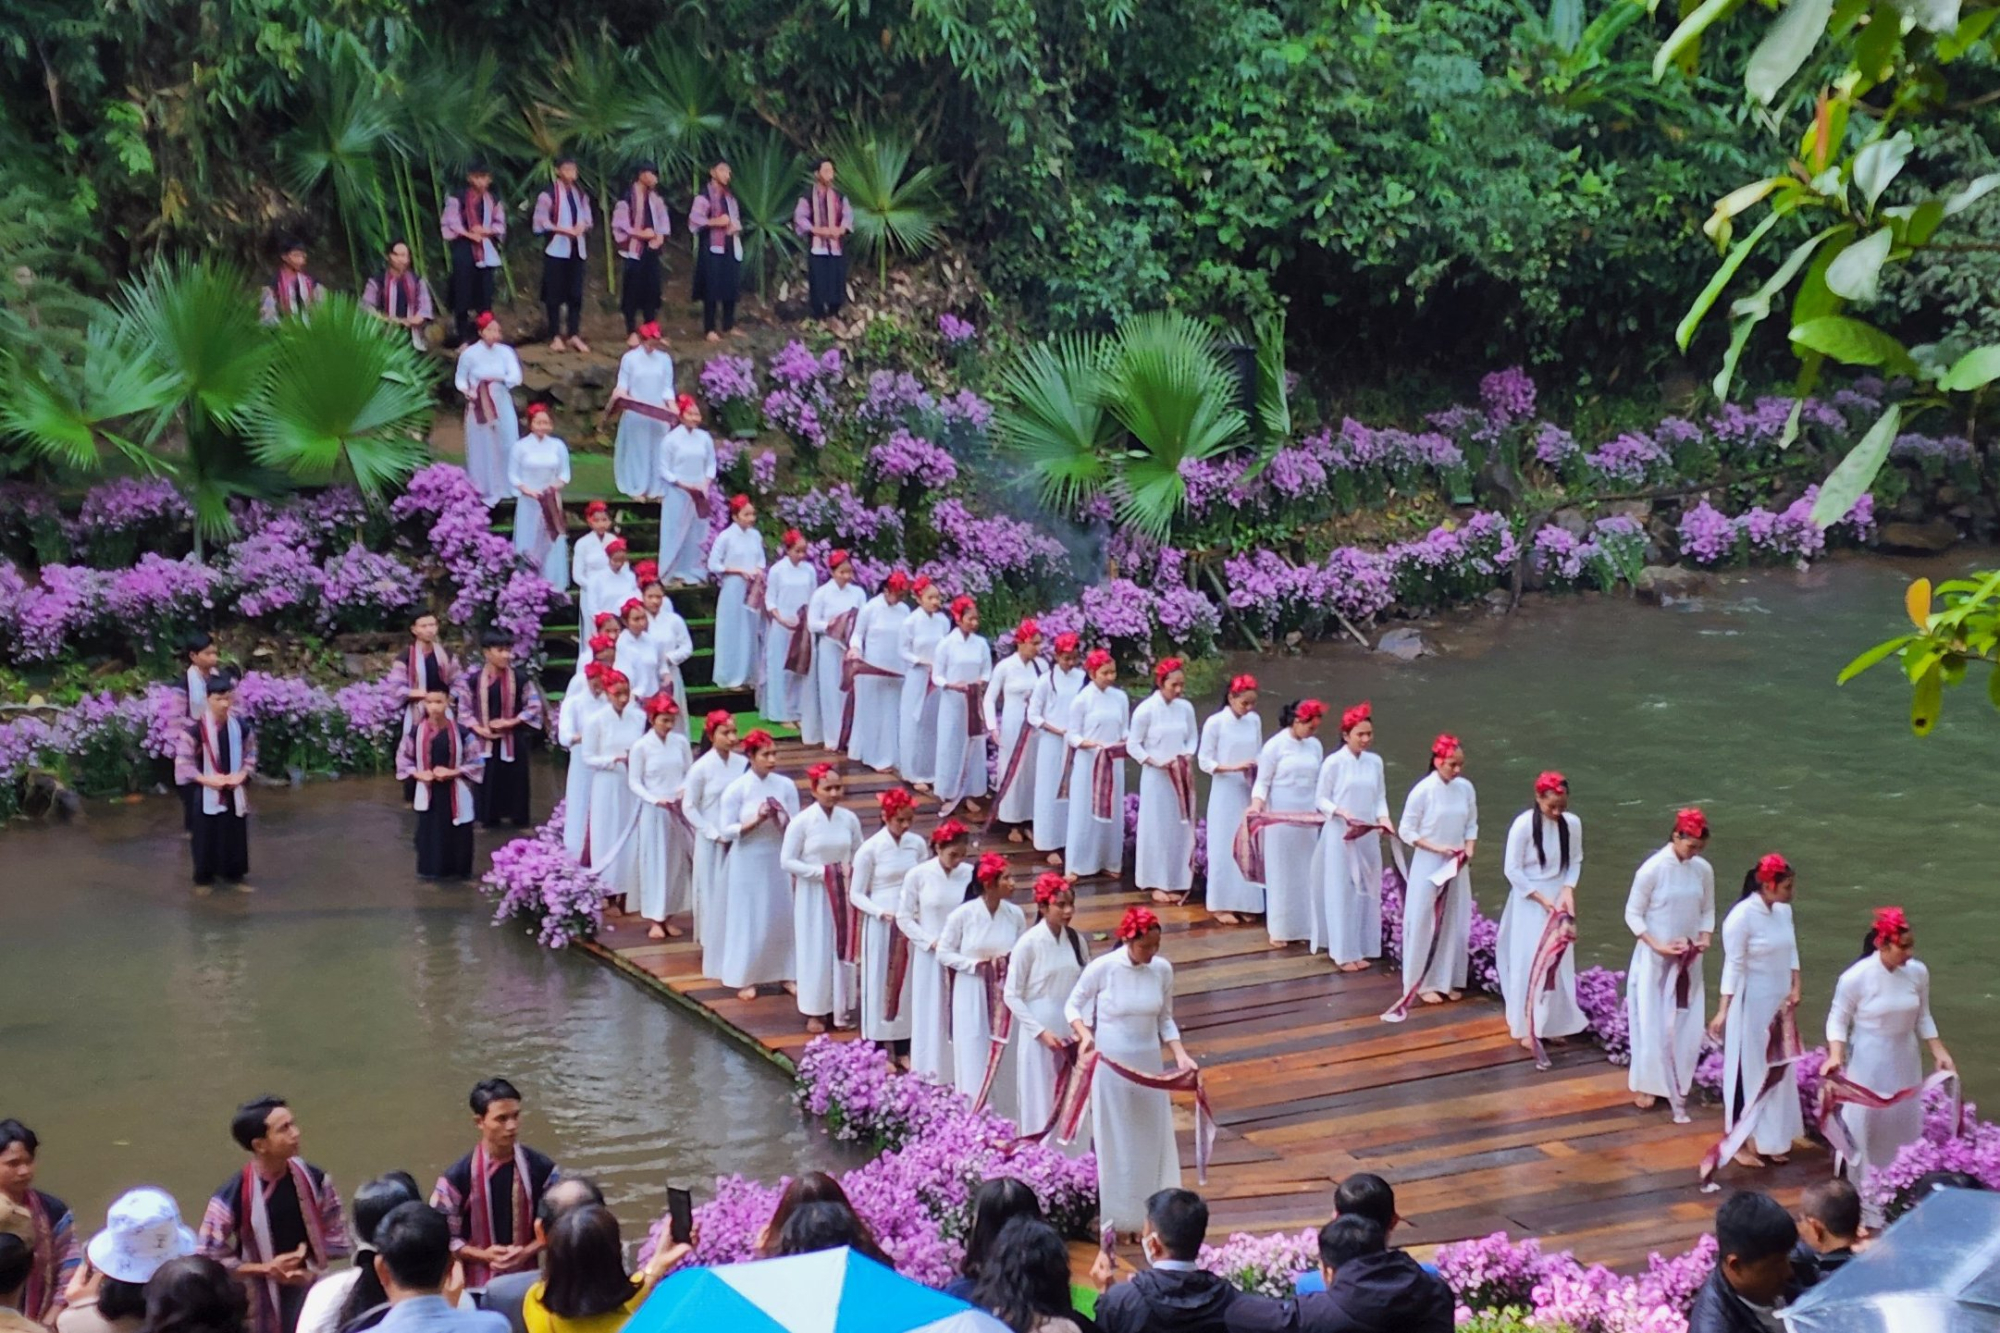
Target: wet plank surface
[[1309, 1085]]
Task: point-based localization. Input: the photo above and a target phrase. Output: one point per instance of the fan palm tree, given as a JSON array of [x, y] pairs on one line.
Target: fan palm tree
[[893, 206], [1167, 386], [69, 414], [680, 109], [587, 106], [339, 144], [344, 394], [449, 110], [767, 178], [1051, 417]]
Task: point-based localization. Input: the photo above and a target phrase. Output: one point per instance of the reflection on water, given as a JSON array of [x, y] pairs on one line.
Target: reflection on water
[[1729, 703], [137, 1018]]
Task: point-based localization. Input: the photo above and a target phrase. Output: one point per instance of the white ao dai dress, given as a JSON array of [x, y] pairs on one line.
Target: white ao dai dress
[[876, 888], [645, 375], [1006, 704], [1883, 1016], [738, 625], [788, 586], [687, 459], [639, 660], [1523, 920], [929, 897], [673, 645], [1671, 899], [973, 935], [579, 704], [663, 859], [1095, 846], [1041, 973], [587, 559], [607, 745], [829, 602], [1288, 779], [1129, 1008], [1048, 714], [609, 589], [712, 775], [1162, 732], [816, 839], [1229, 739], [1446, 813], [1348, 912], [878, 637], [757, 919], [540, 462], [916, 740], [961, 659], [1760, 952], [487, 442]]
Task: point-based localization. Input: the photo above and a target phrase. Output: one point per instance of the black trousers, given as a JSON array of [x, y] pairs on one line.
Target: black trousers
[[444, 849], [716, 280], [471, 290], [639, 298], [221, 845], [826, 283], [562, 287], [503, 793]]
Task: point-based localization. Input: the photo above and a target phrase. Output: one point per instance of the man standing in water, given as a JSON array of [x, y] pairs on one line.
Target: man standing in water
[[493, 1241], [50, 1231], [278, 1224], [214, 758]]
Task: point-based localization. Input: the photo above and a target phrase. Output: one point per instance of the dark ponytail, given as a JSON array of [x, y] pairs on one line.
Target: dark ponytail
[[1868, 948], [1289, 713], [1752, 884], [1076, 946], [1535, 828]]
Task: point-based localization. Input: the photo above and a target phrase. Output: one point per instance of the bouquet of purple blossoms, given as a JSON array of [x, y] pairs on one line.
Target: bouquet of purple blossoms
[[156, 600], [534, 880], [123, 517], [102, 739], [729, 384], [955, 331], [1454, 562], [275, 575], [906, 458], [70, 608], [26, 744]]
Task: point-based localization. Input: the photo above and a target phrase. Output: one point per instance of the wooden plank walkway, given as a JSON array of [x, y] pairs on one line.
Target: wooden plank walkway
[[1309, 1085]]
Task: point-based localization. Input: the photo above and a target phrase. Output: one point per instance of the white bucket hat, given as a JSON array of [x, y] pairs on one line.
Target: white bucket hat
[[141, 1232]]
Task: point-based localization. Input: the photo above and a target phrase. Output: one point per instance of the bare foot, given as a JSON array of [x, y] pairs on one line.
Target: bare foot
[[1781, 1159], [631, 340], [1162, 896], [1525, 1044], [556, 344], [815, 1024], [1072, 877], [923, 787], [1014, 835], [656, 931], [1228, 918], [944, 811], [1749, 1159], [579, 345], [747, 993], [1431, 997], [1054, 858], [1279, 944], [1455, 994], [1358, 965], [790, 987], [1645, 1101], [714, 337], [241, 887], [204, 890], [674, 932]]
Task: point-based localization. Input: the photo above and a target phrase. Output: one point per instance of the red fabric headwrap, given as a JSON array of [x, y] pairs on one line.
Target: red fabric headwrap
[[921, 582], [485, 318], [1165, 667], [716, 719], [1068, 641], [835, 559], [1445, 746], [613, 678], [960, 605], [1242, 684], [1772, 868], [737, 502], [595, 671], [650, 329], [791, 538], [1890, 925], [1309, 710], [1550, 781], [1355, 716], [602, 619], [662, 702], [631, 604], [1691, 823], [991, 867], [616, 546], [596, 507], [948, 832], [895, 801], [759, 739], [1026, 630], [1095, 659], [1137, 921], [646, 571], [897, 582], [537, 409], [684, 404], [816, 772], [1047, 885], [602, 643]]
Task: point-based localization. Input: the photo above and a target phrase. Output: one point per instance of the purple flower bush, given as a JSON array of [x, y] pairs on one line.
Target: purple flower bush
[[1937, 1149], [156, 600], [361, 589], [904, 457], [955, 331], [895, 398], [838, 515], [729, 389], [1632, 459], [481, 565], [70, 606], [764, 472], [1508, 395], [1454, 561], [1707, 537], [27, 743], [1611, 550], [535, 881], [803, 400], [123, 517]]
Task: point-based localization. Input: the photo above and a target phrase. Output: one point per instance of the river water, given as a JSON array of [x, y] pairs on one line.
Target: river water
[[1729, 703], [137, 1018]]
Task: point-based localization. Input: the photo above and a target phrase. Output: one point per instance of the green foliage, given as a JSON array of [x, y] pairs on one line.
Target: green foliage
[[767, 179], [894, 207], [1957, 626]]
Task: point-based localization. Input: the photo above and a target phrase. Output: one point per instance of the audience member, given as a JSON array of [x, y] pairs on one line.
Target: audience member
[[1371, 1288], [587, 1289], [813, 1227], [1024, 1280], [506, 1294], [810, 1188], [1829, 1226], [195, 1294], [412, 1261], [994, 1204], [1753, 1267], [1174, 1296], [1362, 1194], [353, 1298], [15, 1261], [41, 1220], [142, 1231]]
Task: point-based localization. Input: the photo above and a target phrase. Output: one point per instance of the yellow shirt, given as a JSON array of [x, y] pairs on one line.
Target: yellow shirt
[[537, 1318]]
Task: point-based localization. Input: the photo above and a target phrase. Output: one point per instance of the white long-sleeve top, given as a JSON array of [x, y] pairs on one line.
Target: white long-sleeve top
[[829, 602], [1096, 714], [880, 867], [1012, 682], [961, 659], [1160, 731], [816, 839], [746, 796], [929, 895], [1671, 899], [609, 736], [1443, 813], [878, 633], [921, 633], [687, 456], [788, 586], [657, 769], [1048, 703], [1872, 1002], [972, 935], [1354, 785], [668, 633], [539, 461], [1525, 871], [707, 779], [1757, 937], [1042, 967], [639, 659], [647, 375], [736, 547], [609, 590], [1113, 985], [1286, 761], [1229, 739], [587, 560], [480, 361], [579, 703]]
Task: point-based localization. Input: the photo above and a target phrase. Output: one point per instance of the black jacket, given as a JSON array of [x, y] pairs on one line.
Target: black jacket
[[1379, 1293], [1718, 1309], [1159, 1301]]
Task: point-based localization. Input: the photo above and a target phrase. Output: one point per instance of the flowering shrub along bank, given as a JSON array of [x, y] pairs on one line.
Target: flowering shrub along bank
[[535, 881]]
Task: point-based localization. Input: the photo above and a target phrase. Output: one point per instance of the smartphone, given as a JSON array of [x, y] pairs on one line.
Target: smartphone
[[1107, 1241], [680, 1215]]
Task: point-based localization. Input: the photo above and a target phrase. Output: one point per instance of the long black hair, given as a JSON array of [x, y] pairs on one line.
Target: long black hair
[[1026, 1278], [1562, 837], [1289, 713], [372, 1202], [995, 1203], [586, 1265]]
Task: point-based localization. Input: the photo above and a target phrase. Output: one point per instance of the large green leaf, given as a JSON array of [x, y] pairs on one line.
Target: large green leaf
[[894, 207], [69, 413], [1879, 163], [1683, 37], [1785, 47], [1051, 417], [1169, 389], [1720, 280], [199, 318], [681, 108], [1851, 341], [768, 178], [1856, 471], [1856, 273], [1975, 370]]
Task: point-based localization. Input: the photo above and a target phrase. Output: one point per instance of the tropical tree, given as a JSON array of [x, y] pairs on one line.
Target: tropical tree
[[1051, 417], [340, 144], [894, 207], [767, 177], [681, 109], [70, 414], [450, 110]]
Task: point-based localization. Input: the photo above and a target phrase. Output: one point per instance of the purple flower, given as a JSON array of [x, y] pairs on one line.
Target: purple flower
[[894, 398], [1554, 446], [72, 603], [956, 332], [1454, 561], [764, 471], [837, 514], [796, 368], [907, 457], [966, 409], [157, 599], [535, 881], [363, 590], [122, 516], [797, 415], [1508, 395], [729, 379], [1706, 536], [1631, 459]]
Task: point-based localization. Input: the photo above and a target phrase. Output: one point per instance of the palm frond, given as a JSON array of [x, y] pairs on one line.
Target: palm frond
[[768, 177], [1051, 418], [337, 145], [891, 209], [69, 414], [680, 108], [345, 394], [199, 320], [1167, 386]]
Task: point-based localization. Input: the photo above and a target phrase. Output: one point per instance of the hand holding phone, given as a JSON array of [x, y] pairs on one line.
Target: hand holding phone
[[680, 1216]]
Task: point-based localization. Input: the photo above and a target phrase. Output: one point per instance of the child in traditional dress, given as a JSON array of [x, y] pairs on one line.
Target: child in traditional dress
[[215, 757], [443, 759]]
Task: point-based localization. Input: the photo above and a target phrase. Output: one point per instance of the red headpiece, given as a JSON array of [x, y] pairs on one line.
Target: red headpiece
[[1068, 641], [602, 643], [1355, 716], [613, 678], [1242, 684], [602, 619], [897, 582], [1309, 710], [538, 409], [646, 571], [1890, 925], [631, 604], [1691, 823], [737, 502], [616, 546], [1047, 885], [835, 559], [1137, 921], [1445, 746], [1095, 659], [662, 704], [896, 801], [759, 739], [716, 719], [1772, 868], [948, 832], [684, 404], [650, 329], [595, 671], [960, 605], [991, 867], [596, 507], [1165, 667], [1026, 630], [792, 538], [485, 318], [816, 772], [1551, 781], [921, 582]]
